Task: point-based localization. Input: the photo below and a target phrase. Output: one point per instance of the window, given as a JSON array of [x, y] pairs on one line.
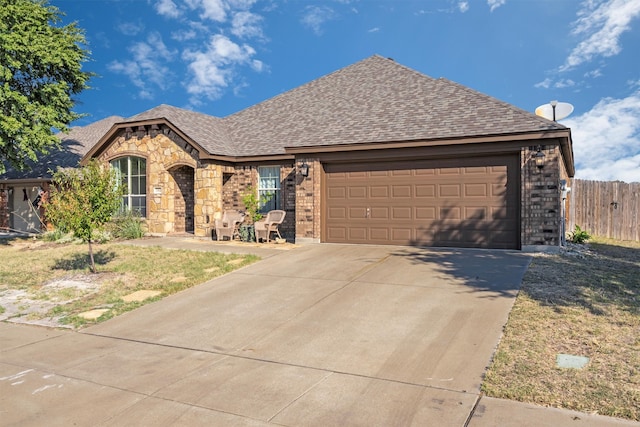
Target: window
[[133, 172], [269, 187]]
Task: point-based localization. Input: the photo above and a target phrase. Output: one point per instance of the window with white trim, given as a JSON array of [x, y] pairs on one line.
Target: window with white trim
[[269, 188], [133, 174]]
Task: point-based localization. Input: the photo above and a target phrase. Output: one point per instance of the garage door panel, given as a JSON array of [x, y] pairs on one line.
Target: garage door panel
[[357, 212], [401, 234], [381, 213], [336, 233], [449, 171], [379, 233], [337, 193], [424, 172], [379, 191], [476, 190], [450, 213], [401, 213], [358, 234], [425, 190], [425, 213], [479, 170], [475, 213], [399, 191], [338, 213], [471, 202], [449, 190], [359, 192], [357, 174], [400, 172]]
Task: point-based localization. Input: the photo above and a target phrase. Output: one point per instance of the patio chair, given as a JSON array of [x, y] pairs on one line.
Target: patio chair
[[228, 225], [269, 224]]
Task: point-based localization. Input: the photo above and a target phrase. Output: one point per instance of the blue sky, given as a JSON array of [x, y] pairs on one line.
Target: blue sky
[[221, 56]]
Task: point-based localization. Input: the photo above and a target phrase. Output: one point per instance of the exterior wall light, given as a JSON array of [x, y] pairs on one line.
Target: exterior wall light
[[539, 157], [304, 169]]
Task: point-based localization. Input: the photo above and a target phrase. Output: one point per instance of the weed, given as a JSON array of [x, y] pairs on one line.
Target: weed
[[578, 235]]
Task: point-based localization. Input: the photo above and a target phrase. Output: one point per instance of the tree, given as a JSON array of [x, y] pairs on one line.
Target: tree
[[82, 200], [40, 71]]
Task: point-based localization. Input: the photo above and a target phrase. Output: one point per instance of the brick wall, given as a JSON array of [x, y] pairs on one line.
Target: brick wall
[[237, 180], [183, 198], [541, 198], [308, 201]]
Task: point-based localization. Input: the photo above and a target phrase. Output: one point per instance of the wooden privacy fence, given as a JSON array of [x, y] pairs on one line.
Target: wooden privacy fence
[[605, 208]]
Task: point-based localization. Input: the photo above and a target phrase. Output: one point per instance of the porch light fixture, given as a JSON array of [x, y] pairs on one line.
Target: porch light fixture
[[539, 157], [304, 169]]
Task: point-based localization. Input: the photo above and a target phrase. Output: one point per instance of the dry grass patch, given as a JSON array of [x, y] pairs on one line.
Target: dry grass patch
[[50, 283], [584, 304]]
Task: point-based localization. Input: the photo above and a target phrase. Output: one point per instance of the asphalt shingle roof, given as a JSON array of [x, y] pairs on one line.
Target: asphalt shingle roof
[[374, 100]]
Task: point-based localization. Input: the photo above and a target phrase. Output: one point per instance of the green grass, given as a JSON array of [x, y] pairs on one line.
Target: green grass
[[580, 305], [122, 269]]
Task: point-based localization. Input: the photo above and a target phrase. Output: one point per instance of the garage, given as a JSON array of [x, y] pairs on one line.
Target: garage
[[465, 202]]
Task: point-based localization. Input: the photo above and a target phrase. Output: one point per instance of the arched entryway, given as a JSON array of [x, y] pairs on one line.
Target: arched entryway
[[184, 201]]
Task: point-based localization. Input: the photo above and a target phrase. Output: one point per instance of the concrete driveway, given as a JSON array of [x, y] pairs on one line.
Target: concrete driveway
[[315, 336]]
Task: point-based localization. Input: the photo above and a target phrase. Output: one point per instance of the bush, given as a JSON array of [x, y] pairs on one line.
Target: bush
[[579, 235], [126, 226]]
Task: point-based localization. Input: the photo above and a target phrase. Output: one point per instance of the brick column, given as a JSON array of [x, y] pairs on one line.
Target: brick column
[[541, 198], [308, 202]]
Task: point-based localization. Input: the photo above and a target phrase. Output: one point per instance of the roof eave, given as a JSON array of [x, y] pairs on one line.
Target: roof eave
[[519, 136], [102, 142]]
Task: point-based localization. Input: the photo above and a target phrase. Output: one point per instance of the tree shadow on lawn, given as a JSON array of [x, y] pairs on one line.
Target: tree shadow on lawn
[[606, 277], [81, 261]]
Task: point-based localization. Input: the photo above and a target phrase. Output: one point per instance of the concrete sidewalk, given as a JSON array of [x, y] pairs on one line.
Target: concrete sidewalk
[[311, 336]]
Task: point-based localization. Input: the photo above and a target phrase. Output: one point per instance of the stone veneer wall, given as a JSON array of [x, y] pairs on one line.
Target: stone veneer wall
[[164, 150], [541, 198]]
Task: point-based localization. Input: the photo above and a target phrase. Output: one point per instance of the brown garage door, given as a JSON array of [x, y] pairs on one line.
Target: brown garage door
[[469, 202]]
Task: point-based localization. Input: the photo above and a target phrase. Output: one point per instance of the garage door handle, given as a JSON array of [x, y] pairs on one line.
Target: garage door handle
[[368, 212]]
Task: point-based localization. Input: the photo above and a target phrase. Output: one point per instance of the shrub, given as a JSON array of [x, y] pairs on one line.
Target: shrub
[[126, 226], [578, 235]]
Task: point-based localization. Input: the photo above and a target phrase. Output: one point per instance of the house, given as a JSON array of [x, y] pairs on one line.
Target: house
[[372, 153]]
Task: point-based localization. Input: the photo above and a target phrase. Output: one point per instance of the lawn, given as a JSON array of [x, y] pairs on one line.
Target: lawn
[[584, 303], [50, 283]]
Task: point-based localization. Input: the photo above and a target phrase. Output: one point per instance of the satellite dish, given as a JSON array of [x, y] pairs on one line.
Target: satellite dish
[[554, 110]]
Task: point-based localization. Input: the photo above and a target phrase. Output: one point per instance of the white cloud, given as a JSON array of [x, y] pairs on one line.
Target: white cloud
[[559, 84], [246, 25], [373, 30], [545, 84], [601, 23], [463, 6], [494, 4], [167, 8], [184, 35], [564, 83], [315, 16], [212, 69], [209, 9], [606, 140], [130, 29], [241, 4], [147, 67]]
